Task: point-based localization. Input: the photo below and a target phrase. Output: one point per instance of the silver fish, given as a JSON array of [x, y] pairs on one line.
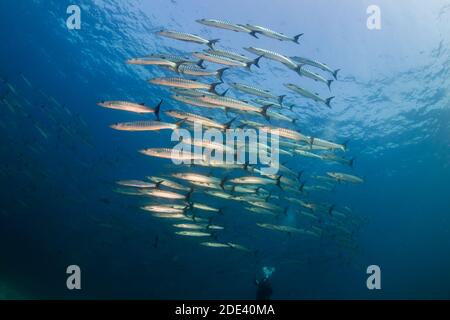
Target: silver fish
[[187, 37], [308, 94]]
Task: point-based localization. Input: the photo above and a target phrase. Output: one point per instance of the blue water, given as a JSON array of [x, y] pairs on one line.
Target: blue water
[[60, 160]]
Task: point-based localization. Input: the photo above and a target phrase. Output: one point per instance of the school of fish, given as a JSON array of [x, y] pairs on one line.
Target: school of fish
[[188, 195]]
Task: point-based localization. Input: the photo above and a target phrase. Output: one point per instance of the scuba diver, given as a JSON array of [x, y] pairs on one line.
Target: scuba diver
[[264, 288]]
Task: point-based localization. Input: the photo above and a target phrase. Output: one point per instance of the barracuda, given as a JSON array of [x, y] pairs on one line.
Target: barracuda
[[225, 61], [256, 91], [272, 34], [308, 94], [223, 25], [185, 83], [187, 37], [317, 64]]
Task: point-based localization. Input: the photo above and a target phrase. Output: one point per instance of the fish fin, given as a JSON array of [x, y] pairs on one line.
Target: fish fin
[[220, 73], [142, 103], [328, 101], [296, 37], [212, 89], [280, 99], [224, 93], [253, 34], [212, 42], [335, 72], [220, 211], [158, 184], [329, 82], [157, 109], [299, 175]]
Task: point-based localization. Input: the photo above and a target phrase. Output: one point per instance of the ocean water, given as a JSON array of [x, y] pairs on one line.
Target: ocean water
[[60, 160]]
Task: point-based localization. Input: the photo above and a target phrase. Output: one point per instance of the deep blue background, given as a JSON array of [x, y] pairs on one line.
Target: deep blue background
[[57, 205]]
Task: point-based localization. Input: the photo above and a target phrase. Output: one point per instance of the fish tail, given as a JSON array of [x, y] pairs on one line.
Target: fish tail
[[330, 210], [209, 223], [200, 63], [212, 42], [335, 72], [227, 125], [279, 182], [351, 162], [188, 197], [328, 101], [157, 109], [253, 34], [179, 123], [280, 99], [344, 145], [301, 187], [299, 175], [213, 86], [254, 62], [177, 66], [222, 182], [220, 73], [296, 37], [298, 69], [214, 235], [329, 82], [264, 111]]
